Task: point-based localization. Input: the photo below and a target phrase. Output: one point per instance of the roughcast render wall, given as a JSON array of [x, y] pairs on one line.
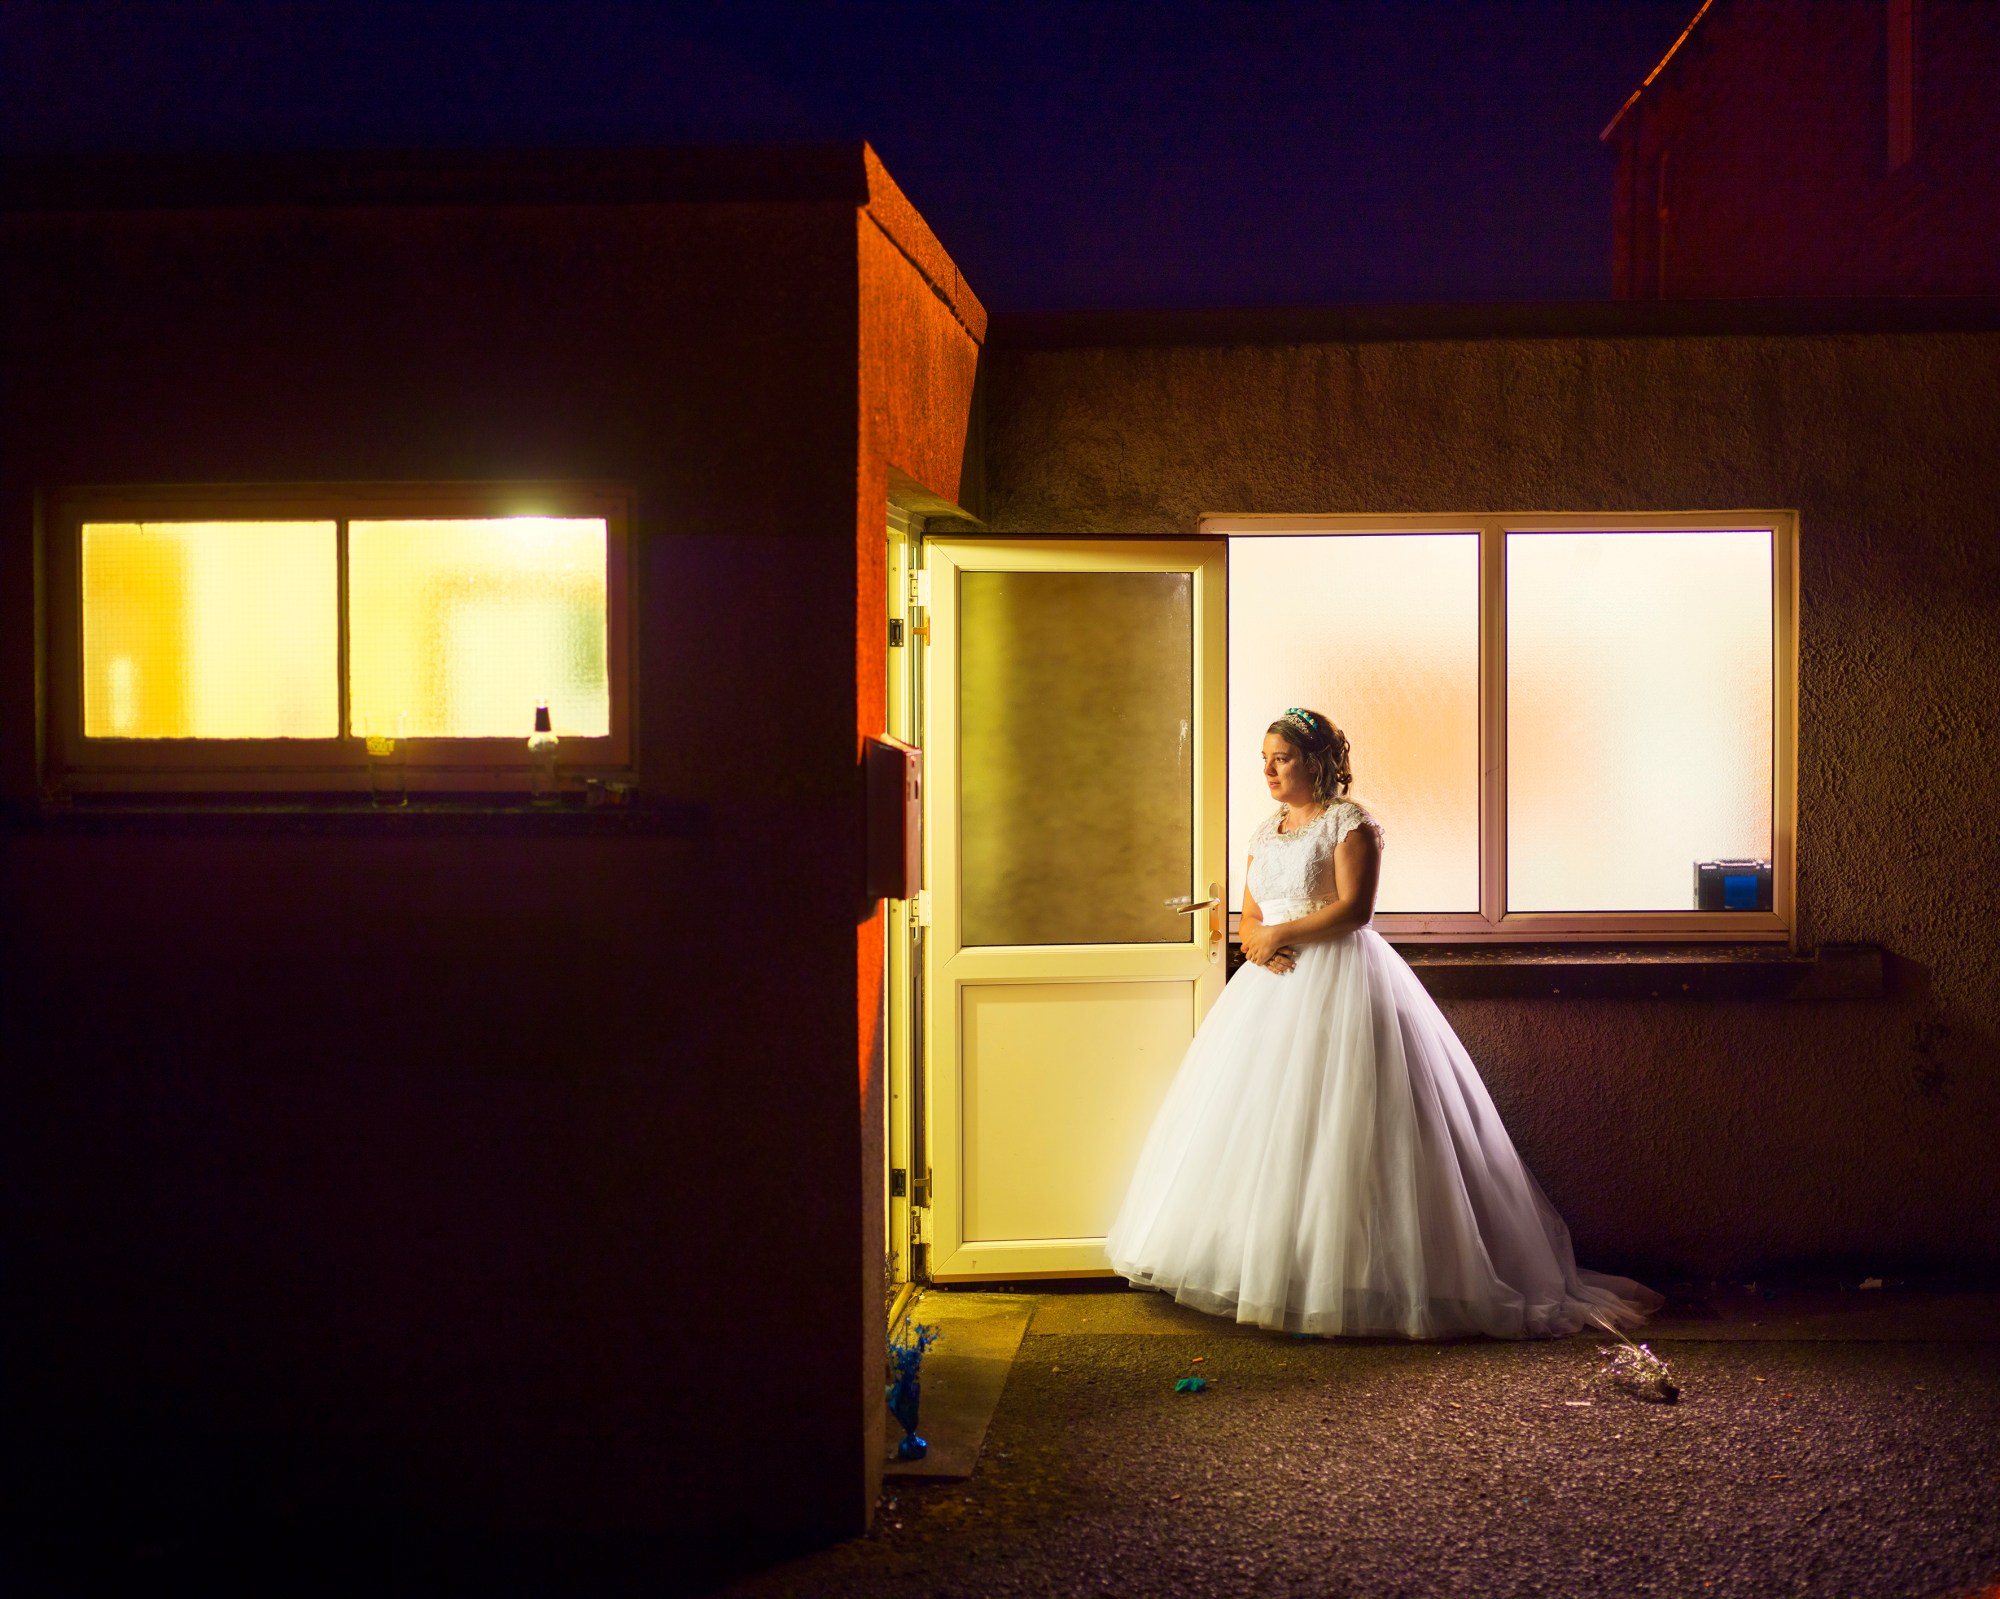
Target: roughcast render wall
[[1691, 1137]]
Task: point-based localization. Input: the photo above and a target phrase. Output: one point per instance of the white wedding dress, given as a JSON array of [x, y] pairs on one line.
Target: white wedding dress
[[1328, 1161]]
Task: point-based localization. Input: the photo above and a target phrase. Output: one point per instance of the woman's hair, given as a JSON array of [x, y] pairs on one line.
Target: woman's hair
[[1324, 749]]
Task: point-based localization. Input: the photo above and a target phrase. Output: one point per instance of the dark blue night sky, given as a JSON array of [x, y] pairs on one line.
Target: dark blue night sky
[[1069, 155]]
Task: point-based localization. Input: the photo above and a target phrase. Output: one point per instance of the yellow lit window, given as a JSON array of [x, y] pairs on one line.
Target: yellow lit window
[[462, 627], [225, 630], [255, 639], [1560, 720]]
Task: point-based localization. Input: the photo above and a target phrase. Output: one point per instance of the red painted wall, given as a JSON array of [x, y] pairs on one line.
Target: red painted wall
[[921, 331], [501, 1182], [1758, 161]]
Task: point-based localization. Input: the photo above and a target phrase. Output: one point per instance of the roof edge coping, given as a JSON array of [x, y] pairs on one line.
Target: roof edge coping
[[217, 180], [1362, 324], [905, 227]]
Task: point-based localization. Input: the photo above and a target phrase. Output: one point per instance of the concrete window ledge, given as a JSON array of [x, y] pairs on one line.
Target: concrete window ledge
[[357, 818], [1648, 971], [1642, 971]]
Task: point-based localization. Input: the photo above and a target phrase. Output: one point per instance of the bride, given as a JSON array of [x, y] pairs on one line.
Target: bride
[[1327, 1159]]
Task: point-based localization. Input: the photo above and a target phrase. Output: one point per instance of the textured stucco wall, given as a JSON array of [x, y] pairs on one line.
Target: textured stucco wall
[[1687, 1137]]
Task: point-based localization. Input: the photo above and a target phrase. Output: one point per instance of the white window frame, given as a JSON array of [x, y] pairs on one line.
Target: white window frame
[[337, 765], [1494, 921]]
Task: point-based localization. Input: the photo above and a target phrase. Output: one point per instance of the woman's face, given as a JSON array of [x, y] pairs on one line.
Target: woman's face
[[1285, 772]]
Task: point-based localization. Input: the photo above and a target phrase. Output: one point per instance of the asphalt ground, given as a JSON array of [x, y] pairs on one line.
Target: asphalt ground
[[1804, 1465]]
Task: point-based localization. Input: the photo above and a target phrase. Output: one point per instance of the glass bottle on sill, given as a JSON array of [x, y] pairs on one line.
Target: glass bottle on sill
[[387, 741], [542, 759]]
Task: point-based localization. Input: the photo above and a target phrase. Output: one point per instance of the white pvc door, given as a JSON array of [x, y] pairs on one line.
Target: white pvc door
[[1075, 710]]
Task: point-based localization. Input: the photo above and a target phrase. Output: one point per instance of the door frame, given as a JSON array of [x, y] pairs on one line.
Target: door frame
[[948, 969], [906, 1177]]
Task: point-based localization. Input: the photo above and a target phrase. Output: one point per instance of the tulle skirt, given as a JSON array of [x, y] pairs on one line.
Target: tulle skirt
[[1328, 1161]]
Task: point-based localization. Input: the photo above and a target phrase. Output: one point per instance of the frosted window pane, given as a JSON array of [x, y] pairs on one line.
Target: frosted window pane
[[1076, 789], [463, 626], [1638, 714], [210, 630], [1381, 633]]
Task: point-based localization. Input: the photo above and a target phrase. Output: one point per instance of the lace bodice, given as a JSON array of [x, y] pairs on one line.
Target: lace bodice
[[1291, 873]]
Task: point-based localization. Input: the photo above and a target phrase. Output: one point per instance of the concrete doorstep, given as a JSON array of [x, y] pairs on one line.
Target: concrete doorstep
[[962, 1376]]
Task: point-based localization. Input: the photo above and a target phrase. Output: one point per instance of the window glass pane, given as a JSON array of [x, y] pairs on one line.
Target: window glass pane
[[210, 630], [1381, 633], [1076, 803], [460, 627], [1638, 714]]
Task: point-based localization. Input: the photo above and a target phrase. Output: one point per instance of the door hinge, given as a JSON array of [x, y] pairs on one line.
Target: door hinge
[[920, 908], [920, 587]]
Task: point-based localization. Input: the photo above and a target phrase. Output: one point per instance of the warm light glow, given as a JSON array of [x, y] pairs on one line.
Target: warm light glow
[[210, 630], [1639, 714], [463, 626], [1381, 633]]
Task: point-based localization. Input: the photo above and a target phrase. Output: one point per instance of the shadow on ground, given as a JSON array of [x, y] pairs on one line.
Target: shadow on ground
[[1839, 1445]]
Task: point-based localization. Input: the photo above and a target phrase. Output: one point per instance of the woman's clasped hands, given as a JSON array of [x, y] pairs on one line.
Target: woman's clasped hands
[[1263, 947]]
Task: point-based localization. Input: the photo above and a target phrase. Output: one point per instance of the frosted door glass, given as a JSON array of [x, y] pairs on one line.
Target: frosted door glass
[[1381, 633], [1076, 797], [211, 630], [463, 626], [1638, 714]]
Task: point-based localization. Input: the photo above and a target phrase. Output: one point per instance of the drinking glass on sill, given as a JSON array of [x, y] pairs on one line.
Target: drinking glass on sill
[[388, 760]]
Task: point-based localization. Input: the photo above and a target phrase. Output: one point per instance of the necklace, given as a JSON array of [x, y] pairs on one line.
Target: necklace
[[1287, 832]]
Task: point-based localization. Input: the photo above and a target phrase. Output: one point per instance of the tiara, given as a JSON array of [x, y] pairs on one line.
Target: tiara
[[1304, 718]]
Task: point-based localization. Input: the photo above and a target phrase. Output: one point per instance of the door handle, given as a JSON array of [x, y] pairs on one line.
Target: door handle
[[1187, 905]]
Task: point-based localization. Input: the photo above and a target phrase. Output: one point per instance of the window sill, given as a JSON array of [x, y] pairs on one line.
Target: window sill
[[342, 817], [1650, 971], [1644, 971]]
